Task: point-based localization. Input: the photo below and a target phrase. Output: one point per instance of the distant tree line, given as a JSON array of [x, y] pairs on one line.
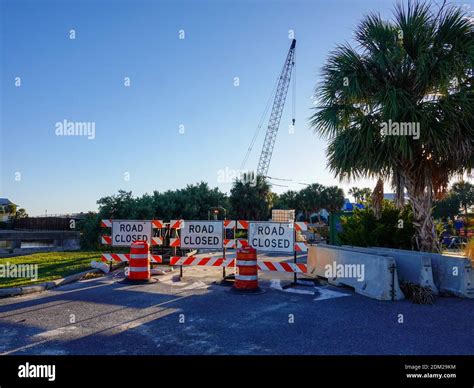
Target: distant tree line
[[250, 199]]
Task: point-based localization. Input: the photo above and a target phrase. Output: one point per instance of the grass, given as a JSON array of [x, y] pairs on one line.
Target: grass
[[51, 266]]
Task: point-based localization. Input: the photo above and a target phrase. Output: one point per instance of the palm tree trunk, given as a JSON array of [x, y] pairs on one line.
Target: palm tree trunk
[[377, 199], [422, 202]]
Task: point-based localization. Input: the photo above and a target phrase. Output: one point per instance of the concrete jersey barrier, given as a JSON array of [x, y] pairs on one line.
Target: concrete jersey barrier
[[380, 279], [411, 267], [452, 275]]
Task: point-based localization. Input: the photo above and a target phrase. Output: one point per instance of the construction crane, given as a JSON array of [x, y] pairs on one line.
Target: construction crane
[[277, 110]]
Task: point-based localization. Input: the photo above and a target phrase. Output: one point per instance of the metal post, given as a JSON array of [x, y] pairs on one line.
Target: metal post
[[392, 291], [295, 277], [175, 253], [223, 254]]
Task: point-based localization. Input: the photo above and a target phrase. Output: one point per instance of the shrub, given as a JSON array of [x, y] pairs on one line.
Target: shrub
[[393, 230], [469, 251]]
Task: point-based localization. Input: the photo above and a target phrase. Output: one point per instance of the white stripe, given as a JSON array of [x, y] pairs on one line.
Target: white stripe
[[246, 277], [121, 256], [139, 269], [141, 246], [262, 266], [278, 267], [246, 263], [227, 262], [212, 261], [139, 255], [296, 268]]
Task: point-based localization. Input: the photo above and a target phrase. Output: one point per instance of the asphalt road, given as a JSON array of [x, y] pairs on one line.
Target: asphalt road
[[197, 316]]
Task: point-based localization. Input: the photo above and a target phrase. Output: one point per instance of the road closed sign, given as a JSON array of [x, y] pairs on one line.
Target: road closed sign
[[271, 236], [202, 234], [126, 232]]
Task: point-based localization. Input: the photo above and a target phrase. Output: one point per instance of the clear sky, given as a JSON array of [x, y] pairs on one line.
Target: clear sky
[[183, 119]]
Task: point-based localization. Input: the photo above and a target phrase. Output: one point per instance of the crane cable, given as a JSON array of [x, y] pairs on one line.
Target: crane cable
[[259, 127]]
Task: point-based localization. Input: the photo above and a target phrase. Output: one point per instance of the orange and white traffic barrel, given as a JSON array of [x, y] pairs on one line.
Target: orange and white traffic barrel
[[246, 278], [139, 262]]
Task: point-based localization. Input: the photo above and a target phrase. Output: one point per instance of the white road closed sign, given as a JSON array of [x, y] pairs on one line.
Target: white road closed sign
[[202, 234], [126, 232], [271, 236]]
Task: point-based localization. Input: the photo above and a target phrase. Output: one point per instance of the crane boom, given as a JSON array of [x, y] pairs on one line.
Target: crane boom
[[277, 110]]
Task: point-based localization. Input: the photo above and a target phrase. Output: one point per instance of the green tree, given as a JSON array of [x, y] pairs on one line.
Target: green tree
[[361, 195], [251, 199], [414, 69], [332, 198], [447, 207], [311, 199], [464, 192], [288, 200]]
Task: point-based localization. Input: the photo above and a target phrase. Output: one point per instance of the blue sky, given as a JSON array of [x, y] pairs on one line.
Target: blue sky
[[173, 82]]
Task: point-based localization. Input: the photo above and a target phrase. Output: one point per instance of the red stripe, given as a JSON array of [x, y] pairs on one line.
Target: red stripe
[[157, 258], [270, 265], [174, 259], [204, 261], [189, 260], [116, 257], [302, 267], [286, 267]]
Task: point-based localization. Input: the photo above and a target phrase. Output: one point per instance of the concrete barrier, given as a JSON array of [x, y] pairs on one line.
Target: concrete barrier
[[411, 267], [452, 275], [342, 267]]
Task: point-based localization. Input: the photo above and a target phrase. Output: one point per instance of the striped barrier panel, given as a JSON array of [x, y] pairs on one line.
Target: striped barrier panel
[[301, 226], [156, 224], [281, 267], [206, 261], [221, 262], [242, 243], [125, 257], [176, 224], [229, 224], [301, 247]]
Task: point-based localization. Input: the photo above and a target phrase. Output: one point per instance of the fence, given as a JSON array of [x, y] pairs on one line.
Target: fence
[[43, 223]]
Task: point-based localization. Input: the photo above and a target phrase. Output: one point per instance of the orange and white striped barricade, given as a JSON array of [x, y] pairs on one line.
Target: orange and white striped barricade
[[139, 270], [246, 277]]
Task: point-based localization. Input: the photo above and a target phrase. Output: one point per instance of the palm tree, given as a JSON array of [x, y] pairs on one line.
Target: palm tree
[[464, 192], [333, 198], [251, 199], [415, 69], [355, 192], [311, 198]]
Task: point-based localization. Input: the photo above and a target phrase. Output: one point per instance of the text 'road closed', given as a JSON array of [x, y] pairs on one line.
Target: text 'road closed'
[[271, 236], [202, 234], [126, 232]]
